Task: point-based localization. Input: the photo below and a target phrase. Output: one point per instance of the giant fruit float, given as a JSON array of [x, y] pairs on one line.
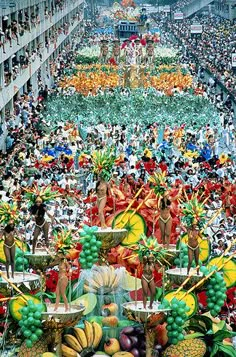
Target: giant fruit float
[[129, 290], [109, 311]]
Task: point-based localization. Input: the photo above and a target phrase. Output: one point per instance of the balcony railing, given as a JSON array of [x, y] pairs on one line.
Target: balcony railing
[[44, 25], [9, 91], [195, 6]]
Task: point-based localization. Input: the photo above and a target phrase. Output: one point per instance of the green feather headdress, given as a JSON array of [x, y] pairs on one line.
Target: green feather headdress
[[158, 182], [63, 241], [193, 213], [45, 193], [147, 246], [103, 162]]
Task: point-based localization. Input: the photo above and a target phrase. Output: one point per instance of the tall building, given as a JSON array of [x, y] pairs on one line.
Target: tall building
[[32, 34]]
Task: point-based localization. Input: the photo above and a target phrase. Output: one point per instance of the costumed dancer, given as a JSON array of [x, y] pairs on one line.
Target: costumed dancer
[[63, 245], [165, 219], [38, 210], [147, 280], [164, 205], [9, 217], [63, 279], [194, 220], [103, 162], [153, 256], [102, 191]]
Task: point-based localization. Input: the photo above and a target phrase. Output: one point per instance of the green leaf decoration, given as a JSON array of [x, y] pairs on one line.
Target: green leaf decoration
[[227, 350], [221, 335], [191, 336], [214, 350], [136, 107]]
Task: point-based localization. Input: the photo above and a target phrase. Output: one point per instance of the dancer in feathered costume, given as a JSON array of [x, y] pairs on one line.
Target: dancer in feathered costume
[[103, 162], [63, 244], [38, 211], [194, 220], [164, 203], [9, 217]]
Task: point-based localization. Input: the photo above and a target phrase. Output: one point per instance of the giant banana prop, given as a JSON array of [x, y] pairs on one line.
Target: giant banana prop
[[102, 280], [83, 340]]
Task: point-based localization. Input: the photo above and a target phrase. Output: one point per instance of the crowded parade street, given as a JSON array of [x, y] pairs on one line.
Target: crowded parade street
[[118, 178]]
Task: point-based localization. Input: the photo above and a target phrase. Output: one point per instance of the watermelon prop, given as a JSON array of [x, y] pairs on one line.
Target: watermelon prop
[[76, 289], [19, 244], [129, 283], [204, 246], [228, 270], [17, 303], [134, 223], [189, 299], [88, 300]]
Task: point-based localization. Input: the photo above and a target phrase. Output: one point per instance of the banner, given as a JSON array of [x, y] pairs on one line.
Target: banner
[[197, 28], [178, 16], [166, 8], [234, 60]]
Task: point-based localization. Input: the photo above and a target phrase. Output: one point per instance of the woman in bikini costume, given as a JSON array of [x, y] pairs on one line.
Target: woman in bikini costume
[[64, 273], [102, 190], [38, 210], [147, 280], [193, 246], [165, 219], [9, 248]]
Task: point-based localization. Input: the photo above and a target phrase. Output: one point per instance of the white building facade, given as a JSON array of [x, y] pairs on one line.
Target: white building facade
[[32, 35]]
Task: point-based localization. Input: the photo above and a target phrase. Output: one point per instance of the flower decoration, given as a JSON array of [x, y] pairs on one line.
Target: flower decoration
[[83, 159], [193, 213], [45, 193], [191, 154], [223, 158], [158, 181], [147, 153], [8, 212], [103, 161], [90, 78]]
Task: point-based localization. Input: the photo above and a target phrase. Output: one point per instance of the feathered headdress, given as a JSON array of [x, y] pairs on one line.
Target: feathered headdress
[[8, 212], [158, 181], [63, 241], [45, 193], [150, 246], [193, 213], [103, 162]]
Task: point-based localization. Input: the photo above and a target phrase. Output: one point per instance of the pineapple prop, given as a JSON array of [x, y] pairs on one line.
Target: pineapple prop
[[206, 337]]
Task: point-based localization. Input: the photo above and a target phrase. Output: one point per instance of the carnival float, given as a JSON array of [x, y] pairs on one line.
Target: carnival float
[[138, 278]]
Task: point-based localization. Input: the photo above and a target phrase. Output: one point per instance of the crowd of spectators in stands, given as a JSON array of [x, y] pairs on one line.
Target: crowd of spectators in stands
[[213, 48], [10, 35]]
